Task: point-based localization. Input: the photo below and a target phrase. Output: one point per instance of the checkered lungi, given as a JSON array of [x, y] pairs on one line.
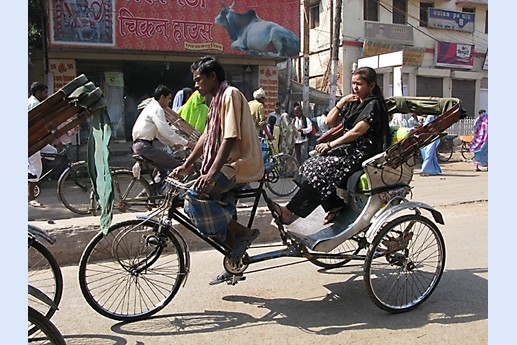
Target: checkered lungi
[[212, 211]]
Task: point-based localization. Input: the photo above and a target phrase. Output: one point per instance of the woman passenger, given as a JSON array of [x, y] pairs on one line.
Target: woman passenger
[[366, 133]]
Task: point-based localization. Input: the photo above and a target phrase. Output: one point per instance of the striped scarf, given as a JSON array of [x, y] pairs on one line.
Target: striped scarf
[[213, 130]]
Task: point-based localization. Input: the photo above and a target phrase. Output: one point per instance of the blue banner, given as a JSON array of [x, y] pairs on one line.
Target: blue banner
[[452, 20]]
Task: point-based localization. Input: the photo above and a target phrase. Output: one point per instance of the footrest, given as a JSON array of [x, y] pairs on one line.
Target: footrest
[[312, 233]]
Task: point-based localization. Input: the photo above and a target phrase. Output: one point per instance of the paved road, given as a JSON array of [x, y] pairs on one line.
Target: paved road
[[296, 302]]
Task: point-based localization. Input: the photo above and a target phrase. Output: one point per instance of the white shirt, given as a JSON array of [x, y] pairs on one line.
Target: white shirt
[[298, 124], [151, 124], [322, 124], [33, 101]]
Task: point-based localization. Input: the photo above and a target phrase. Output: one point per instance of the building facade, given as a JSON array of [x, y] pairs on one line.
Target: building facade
[[444, 43], [129, 47]]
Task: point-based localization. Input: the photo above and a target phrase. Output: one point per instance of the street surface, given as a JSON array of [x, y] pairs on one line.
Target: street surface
[[291, 301]]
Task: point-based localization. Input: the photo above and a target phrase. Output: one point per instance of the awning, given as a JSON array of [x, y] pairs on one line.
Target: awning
[[315, 96]]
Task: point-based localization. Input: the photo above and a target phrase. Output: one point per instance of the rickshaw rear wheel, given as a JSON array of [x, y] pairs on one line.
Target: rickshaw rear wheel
[[405, 263]]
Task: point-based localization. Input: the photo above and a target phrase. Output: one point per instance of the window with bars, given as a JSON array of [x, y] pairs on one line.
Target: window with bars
[[399, 11], [371, 10], [424, 12], [314, 16]]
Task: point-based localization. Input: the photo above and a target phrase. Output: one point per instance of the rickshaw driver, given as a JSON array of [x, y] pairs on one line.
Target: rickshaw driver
[[231, 156]]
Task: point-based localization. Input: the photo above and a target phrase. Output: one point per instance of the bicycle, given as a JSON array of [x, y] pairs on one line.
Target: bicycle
[[64, 159], [445, 149], [45, 289], [279, 170], [137, 267], [467, 155], [44, 272]]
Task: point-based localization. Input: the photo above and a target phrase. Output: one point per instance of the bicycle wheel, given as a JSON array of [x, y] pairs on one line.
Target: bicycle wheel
[[350, 247], [405, 263], [280, 180], [44, 274], [445, 150], [74, 188], [132, 272], [45, 331], [465, 152], [130, 193]]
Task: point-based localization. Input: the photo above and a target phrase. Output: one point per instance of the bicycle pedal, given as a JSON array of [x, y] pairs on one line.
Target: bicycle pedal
[[233, 280]]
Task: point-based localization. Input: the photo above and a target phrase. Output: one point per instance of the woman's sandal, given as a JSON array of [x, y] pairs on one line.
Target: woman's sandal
[[331, 215], [278, 215]]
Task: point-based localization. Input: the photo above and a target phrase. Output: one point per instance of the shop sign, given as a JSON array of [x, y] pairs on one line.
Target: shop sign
[[389, 33], [454, 55], [412, 56], [62, 72], [265, 28], [452, 20]]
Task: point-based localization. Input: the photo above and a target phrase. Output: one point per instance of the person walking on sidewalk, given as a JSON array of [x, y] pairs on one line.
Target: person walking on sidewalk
[[430, 165], [231, 156], [39, 92], [303, 127], [479, 144]]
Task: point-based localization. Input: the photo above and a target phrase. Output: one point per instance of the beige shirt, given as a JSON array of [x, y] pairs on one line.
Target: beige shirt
[[245, 160], [258, 113], [151, 124]]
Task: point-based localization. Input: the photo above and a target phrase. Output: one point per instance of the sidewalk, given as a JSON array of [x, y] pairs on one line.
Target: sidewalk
[[453, 187]]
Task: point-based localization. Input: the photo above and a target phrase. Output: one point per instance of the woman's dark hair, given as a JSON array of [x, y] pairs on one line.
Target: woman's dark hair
[[161, 90], [208, 64], [369, 75], [187, 92]]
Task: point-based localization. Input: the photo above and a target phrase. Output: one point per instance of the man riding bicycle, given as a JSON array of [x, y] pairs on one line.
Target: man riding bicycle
[[151, 124]]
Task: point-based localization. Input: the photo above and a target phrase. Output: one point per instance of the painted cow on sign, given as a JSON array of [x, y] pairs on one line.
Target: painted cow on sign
[[249, 32]]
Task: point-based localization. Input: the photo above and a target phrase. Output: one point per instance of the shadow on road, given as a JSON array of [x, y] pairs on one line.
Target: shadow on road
[[461, 297]]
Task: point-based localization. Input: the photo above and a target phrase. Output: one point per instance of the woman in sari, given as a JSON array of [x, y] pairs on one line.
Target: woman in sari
[[479, 144], [430, 165]]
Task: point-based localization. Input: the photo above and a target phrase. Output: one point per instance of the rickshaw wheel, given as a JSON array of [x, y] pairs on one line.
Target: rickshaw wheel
[[405, 263]]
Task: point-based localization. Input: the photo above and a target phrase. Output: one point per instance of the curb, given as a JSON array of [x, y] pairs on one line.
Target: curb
[[73, 235]]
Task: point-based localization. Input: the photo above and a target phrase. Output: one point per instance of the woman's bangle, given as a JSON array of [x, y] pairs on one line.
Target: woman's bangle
[[328, 144], [338, 108]]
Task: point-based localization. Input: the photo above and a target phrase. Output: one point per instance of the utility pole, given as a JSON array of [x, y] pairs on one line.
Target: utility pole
[[306, 30], [335, 52]]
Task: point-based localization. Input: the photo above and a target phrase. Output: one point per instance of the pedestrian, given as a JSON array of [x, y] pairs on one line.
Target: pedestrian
[[287, 135], [231, 156], [151, 124], [479, 144], [322, 123], [39, 92], [181, 98], [195, 111], [303, 127], [430, 165], [273, 122], [364, 116], [257, 111]]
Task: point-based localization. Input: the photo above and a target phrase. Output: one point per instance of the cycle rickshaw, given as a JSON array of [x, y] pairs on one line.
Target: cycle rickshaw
[[137, 267]]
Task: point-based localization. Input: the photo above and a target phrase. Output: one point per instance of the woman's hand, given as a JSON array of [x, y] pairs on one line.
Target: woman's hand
[[347, 99], [322, 148]]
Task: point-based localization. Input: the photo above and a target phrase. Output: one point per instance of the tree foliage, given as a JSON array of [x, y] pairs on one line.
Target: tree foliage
[[36, 19]]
